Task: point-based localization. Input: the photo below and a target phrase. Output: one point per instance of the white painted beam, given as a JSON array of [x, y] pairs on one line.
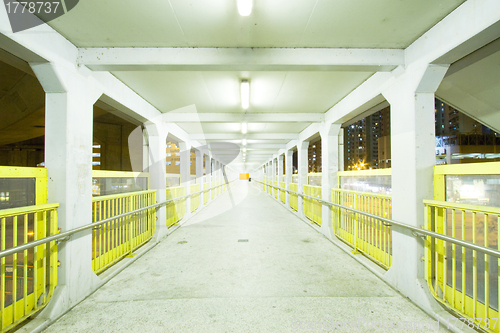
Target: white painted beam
[[240, 59], [255, 136], [176, 117]]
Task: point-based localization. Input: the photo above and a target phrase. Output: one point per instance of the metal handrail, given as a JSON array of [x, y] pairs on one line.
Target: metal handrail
[[61, 236], [421, 231]]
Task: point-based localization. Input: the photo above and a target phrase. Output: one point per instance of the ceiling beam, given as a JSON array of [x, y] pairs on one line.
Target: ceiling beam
[[238, 136], [176, 117], [240, 59]]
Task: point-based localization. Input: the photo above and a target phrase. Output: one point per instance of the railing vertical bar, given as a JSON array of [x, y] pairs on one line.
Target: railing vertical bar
[[486, 269], [35, 260], [464, 264], [2, 274], [25, 266], [44, 259], [445, 252], [454, 258], [14, 270], [474, 266], [436, 249]]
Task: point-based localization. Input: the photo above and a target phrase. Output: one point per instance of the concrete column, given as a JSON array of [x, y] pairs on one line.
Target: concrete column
[[280, 171], [413, 160], [68, 159], [288, 173], [280, 167], [186, 172], [273, 170], [208, 173], [302, 147], [330, 167], [157, 138], [199, 172]]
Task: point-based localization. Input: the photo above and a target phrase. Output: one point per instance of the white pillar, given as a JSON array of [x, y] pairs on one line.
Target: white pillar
[[186, 172], [68, 159], [303, 165], [280, 172], [157, 138], [199, 172], [288, 173], [413, 160], [330, 167], [208, 174]]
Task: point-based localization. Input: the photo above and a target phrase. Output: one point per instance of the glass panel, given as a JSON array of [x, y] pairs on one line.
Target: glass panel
[[109, 186], [372, 184], [314, 180], [17, 192], [479, 190]]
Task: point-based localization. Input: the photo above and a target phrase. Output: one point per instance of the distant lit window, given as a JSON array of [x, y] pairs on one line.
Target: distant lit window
[[96, 163], [96, 146]]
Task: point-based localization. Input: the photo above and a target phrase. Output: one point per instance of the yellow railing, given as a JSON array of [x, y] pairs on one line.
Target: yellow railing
[[195, 199], [276, 190], [450, 267], [206, 195], [313, 208], [113, 240], [264, 184], [177, 208], [293, 199], [27, 278], [213, 189], [282, 193], [367, 235]]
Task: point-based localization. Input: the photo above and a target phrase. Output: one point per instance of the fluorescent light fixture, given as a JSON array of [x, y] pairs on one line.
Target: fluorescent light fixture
[[244, 128], [244, 142], [245, 7], [244, 150], [245, 94]]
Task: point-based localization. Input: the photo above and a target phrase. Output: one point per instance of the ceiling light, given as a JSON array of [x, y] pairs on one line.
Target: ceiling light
[[244, 128], [245, 94], [244, 150], [244, 142], [245, 7]]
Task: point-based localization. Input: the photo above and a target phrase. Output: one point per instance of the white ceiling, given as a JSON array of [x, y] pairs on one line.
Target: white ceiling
[[273, 23], [276, 23]]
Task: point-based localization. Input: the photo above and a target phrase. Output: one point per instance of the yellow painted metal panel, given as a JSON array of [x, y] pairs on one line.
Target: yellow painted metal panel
[[293, 198], [313, 208], [476, 224], [26, 275], [195, 199], [366, 235], [120, 237], [282, 193]]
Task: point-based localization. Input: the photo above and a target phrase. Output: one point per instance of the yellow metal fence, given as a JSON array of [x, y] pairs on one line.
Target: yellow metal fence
[[113, 240], [175, 209], [206, 195], [27, 278], [313, 208], [195, 199], [369, 236], [282, 193], [460, 278], [293, 199]]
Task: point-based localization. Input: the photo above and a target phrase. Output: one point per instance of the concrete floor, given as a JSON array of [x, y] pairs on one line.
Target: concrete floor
[[286, 278]]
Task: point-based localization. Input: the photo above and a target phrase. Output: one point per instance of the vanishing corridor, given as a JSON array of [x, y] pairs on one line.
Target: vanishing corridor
[[204, 278]]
